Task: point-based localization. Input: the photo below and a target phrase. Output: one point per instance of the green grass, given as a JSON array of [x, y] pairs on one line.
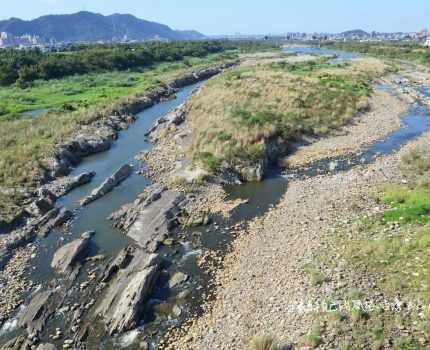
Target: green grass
[[407, 205], [208, 160], [82, 91], [313, 339], [265, 342]]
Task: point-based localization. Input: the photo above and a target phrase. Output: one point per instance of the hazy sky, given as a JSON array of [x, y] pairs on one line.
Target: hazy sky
[[246, 16]]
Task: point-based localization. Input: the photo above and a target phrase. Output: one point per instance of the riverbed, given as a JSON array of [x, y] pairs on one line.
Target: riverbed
[[159, 315]]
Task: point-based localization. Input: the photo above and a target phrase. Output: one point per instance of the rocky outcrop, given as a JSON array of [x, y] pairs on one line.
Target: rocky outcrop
[[149, 220], [200, 75], [94, 138], [249, 171], [17, 343], [126, 296], [173, 119], [68, 257], [37, 227], [54, 218], [109, 184], [65, 184], [41, 307]]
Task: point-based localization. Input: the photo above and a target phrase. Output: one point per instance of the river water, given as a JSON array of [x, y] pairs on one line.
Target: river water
[[217, 236]]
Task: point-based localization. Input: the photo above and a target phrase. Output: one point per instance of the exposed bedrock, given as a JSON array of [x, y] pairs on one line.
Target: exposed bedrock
[[68, 258], [134, 275], [150, 219], [109, 184]]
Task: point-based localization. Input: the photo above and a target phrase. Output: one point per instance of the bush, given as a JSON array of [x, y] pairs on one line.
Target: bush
[[264, 343], [209, 161]]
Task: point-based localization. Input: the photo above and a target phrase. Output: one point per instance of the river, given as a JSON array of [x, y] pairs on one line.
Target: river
[[217, 236]]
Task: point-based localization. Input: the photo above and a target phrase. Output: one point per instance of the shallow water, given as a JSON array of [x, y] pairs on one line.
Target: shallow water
[[93, 217], [35, 112], [341, 56], [416, 122]]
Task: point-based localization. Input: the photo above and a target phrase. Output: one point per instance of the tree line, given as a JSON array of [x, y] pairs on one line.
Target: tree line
[[24, 66]]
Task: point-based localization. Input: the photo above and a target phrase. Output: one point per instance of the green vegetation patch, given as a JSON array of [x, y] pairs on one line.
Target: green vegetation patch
[[407, 205], [305, 66]]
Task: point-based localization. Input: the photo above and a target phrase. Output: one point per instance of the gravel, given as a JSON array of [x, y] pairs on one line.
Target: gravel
[[262, 287]]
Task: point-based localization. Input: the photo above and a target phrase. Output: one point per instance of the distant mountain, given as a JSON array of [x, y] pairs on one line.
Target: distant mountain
[[91, 27], [355, 33]]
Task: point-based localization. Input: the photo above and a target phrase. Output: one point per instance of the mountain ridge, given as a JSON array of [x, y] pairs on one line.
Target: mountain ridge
[[91, 27]]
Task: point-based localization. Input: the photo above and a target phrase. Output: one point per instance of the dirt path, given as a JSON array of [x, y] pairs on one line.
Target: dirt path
[[265, 281]]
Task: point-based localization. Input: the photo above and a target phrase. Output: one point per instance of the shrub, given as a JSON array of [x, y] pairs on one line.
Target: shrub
[[263, 343], [209, 161], [313, 339]]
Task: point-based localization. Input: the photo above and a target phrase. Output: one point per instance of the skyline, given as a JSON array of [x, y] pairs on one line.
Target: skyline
[[245, 17]]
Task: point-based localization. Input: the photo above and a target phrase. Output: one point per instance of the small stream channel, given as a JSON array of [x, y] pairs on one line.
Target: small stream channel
[[217, 236]]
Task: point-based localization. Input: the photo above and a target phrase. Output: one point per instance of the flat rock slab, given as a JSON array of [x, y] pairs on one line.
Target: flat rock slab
[[68, 256], [177, 279], [155, 220], [109, 184], [41, 307], [128, 291], [64, 185]]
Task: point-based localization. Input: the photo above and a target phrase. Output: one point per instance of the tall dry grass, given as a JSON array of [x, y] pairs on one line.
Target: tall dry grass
[[237, 113]]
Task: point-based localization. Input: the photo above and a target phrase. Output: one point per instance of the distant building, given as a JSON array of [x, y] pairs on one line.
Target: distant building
[[26, 40], [427, 42]]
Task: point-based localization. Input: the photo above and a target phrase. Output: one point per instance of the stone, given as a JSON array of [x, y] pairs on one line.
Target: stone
[[177, 279], [168, 242], [69, 255], [41, 307], [88, 234], [177, 311], [128, 291], [55, 217], [109, 184], [46, 346], [15, 344], [150, 221], [41, 206], [65, 184]]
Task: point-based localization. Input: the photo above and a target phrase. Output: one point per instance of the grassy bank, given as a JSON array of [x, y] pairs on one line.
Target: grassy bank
[[389, 251], [73, 101], [81, 91], [238, 114]]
